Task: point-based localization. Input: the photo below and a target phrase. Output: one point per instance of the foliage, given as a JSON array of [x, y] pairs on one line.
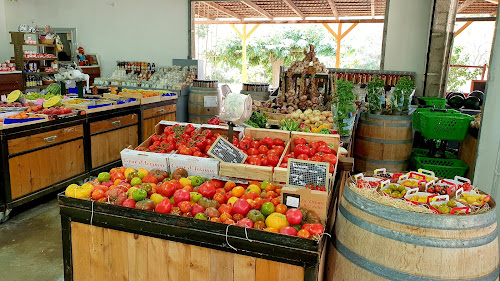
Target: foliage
[[344, 106], [402, 92], [257, 120], [374, 93], [459, 76]]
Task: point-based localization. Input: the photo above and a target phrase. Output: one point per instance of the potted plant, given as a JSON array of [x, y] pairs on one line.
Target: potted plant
[[343, 107], [400, 101], [375, 95]]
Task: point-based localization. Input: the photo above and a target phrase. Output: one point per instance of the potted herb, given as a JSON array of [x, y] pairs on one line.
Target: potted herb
[[343, 107], [400, 101], [375, 95]]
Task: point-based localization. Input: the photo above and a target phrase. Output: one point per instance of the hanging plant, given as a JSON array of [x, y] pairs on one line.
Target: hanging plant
[[402, 92], [375, 95], [344, 109]]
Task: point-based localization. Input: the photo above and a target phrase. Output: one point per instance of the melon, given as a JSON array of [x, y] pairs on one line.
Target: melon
[[54, 88], [479, 95], [15, 96], [53, 101], [456, 101], [472, 102]]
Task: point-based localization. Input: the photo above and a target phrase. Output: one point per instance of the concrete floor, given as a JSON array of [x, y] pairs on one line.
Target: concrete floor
[[30, 244]]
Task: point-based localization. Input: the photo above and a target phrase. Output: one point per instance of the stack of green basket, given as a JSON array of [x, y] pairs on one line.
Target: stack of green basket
[[440, 125], [438, 103]]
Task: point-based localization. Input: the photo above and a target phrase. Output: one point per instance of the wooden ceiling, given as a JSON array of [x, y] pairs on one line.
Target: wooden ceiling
[[303, 10]]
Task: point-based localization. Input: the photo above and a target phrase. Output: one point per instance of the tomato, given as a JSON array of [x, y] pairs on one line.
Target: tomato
[[155, 138], [277, 221], [255, 144], [181, 195], [303, 157], [245, 222], [97, 194], [238, 217], [252, 151], [281, 208], [276, 201], [263, 149], [325, 149], [207, 190], [225, 216], [220, 198], [278, 142], [185, 151], [229, 185], [263, 160], [278, 148], [189, 128], [304, 234], [267, 141], [294, 216], [164, 206], [330, 158], [284, 165], [316, 229], [273, 152], [298, 141], [288, 230], [312, 151], [316, 158], [314, 144], [254, 160], [197, 154], [273, 160], [259, 225], [301, 149], [197, 209], [129, 203], [244, 145], [225, 208], [166, 189]]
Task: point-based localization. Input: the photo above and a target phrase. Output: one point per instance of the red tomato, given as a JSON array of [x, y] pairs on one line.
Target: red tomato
[[263, 160], [316, 158], [294, 216], [263, 149], [278, 142], [330, 158], [312, 151], [254, 161], [278, 148], [247, 138], [314, 144], [284, 165], [272, 151], [316, 229], [288, 156], [273, 160], [185, 151], [299, 141], [303, 157], [255, 144], [166, 189], [252, 151], [189, 128], [325, 149], [244, 145], [245, 222], [301, 149], [129, 203], [197, 154], [267, 141], [288, 230]]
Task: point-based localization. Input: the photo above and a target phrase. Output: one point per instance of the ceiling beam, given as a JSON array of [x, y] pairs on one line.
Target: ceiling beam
[[205, 13], [334, 9], [224, 10], [289, 21], [258, 9], [464, 5], [492, 1], [295, 9], [373, 9]]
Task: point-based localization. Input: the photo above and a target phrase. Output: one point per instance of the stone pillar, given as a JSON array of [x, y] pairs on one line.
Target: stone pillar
[[440, 43]]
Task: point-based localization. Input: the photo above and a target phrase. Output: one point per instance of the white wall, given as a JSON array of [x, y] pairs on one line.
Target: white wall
[[407, 38], [488, 154], [145, 30], [4, 38]]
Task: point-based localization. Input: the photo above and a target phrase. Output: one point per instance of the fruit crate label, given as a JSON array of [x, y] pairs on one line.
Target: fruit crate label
[[225, 151], [302, 172], [210, 101]]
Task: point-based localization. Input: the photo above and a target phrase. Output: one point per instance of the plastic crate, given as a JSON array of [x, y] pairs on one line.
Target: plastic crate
[[421, 152], [438, 103], [443, 124], [444, 168], [416, 118]]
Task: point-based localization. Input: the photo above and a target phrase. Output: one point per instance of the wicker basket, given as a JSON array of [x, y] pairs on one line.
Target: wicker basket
[[47, 41]]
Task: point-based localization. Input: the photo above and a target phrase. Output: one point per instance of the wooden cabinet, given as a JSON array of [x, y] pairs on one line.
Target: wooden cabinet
[[10, 82], [110, 136], [92, 71], [153, 116], [41, 160]]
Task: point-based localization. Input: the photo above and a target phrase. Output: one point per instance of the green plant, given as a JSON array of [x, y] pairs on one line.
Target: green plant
[[375, 94], [257, 120], [401, 98], [290, 125], [343, 100]]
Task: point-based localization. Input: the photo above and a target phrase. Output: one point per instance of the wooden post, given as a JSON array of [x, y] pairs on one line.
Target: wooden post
[[339, 36], [244, 36], [337, 58], [462, 28]]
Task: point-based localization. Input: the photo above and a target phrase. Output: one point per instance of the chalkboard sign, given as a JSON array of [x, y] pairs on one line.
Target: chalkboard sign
[[225, 151], [302, 173]]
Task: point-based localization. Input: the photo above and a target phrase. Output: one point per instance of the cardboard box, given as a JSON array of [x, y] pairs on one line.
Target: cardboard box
[[195, 166], [148, 160], [314, 200]]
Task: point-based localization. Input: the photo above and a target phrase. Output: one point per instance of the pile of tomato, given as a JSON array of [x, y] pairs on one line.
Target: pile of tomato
[[264, 152], [318, 151], [254, 205]]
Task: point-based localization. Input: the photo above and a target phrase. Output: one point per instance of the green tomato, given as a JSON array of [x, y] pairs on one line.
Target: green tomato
[[104, 176], [201, 216], [255, 215], [139, 194], [140, 175], [195, 196], [264, 184], [172, 201], [267, 208], [147, 187], [196, 181], [298, 227], [136, 181]]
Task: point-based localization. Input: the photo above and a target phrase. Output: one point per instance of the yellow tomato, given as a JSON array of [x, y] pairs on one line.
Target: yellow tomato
[[80, 192], [232, 200], [253, 188], [184, 181], [277, 221], [157, 198], [130, 191], [143, 171], [128, 171]]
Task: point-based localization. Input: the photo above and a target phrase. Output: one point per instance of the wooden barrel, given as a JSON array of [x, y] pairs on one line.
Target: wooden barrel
[[260, 96], [200, 104], [383, 141], [372, 241]]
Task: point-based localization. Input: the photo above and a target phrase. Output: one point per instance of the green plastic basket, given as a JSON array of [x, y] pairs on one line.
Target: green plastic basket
[[421, 152], [445, 168], [438, 103], [443, 125], [415, 116]]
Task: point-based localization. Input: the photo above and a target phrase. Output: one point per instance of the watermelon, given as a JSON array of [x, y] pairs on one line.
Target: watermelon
[[15, 96], [479, 95], [472, 102], [53, 102], [54, 88], [456, 101]]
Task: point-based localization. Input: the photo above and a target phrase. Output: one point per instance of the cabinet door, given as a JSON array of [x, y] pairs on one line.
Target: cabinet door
[[106, 146], [153, 116], [44, 167]]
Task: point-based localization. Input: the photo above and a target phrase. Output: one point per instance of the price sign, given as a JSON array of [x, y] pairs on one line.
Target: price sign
[[302, 173], [225, 151]]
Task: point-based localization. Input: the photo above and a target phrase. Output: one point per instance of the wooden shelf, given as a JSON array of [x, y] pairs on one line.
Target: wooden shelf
[[28, 59], [37, 87], [40, 73], [39, 45]]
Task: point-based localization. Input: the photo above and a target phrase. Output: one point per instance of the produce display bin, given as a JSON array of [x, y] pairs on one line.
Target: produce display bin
[[420, 152], [446, 168], [443, 124], [107, 242]]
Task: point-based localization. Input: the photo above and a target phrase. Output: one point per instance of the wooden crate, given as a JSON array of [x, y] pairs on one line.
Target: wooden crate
[[128, 244], [142, 99], [280, 174], [253, 172]]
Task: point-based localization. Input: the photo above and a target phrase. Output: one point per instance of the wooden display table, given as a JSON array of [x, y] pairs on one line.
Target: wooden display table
[[107, 242]]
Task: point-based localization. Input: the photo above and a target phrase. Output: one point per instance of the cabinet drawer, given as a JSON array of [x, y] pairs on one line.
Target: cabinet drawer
[[44, 139], [10, 78], [113, 123], [106, 147], [158, 111], [10, 86]]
